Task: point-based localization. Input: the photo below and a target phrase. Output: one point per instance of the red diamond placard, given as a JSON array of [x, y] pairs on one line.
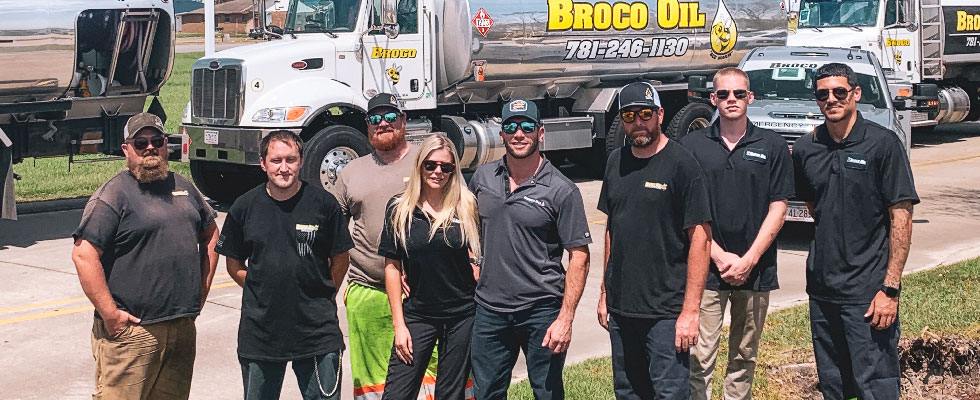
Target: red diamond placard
[[482, 22]]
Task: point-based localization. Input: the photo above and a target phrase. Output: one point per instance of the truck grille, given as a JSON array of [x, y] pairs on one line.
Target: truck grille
[[216, 94]]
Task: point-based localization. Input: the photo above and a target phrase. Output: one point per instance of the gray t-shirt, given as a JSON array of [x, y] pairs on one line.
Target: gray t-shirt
[[363, 190], [524, 234], [148, 234]]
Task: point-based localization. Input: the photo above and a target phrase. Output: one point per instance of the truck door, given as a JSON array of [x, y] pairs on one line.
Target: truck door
[[900, 46], [401, 65]]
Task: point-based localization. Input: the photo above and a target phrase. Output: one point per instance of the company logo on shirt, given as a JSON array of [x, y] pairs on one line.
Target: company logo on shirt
[[655, 185], [760, 156], [858, 161], [536, 202], [305, 237], [180, 193]]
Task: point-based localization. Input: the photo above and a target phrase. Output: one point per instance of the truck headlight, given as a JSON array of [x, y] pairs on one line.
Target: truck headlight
[[280, 114]]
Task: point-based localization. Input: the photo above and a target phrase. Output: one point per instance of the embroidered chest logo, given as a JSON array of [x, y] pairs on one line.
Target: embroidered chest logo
[[757, 155], [534, 201], [305, 237], [655, 185], [856, 161]]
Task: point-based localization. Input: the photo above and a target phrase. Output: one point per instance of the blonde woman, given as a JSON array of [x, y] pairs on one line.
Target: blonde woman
[[431, 238]]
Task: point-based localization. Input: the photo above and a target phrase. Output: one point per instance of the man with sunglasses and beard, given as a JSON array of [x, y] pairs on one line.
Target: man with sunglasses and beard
[[363, 189], [856, 179], [530, 214], [749, 177], [144, 252], [656, 259]]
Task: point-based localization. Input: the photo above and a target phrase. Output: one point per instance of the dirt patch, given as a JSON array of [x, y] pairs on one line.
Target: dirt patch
[[933, 367]]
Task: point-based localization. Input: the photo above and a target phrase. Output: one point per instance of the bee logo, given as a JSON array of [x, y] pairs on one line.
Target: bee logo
[[724, 32], [394, 73]]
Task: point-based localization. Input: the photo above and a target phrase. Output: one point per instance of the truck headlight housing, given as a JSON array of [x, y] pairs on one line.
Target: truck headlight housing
[[280, 114]]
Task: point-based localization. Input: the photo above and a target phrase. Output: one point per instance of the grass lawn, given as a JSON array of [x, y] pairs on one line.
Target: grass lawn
[[946, 300], [49, 178]]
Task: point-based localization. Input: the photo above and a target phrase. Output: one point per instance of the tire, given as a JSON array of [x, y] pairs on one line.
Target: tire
[[224, 182], [330, 149], [616, 137], [693, 116]]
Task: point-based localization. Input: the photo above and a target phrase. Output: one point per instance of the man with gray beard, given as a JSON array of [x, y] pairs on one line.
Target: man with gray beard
[[144, 252]]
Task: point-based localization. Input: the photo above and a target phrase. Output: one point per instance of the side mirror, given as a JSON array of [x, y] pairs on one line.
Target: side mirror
[[389, 18], [697, 88]]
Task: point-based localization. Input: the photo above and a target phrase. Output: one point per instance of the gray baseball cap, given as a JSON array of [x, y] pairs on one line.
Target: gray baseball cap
[[143, 120]]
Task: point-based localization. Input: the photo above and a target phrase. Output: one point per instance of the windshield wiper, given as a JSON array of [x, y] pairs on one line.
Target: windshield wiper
[[290, 32], [329, 32], [857, 28]]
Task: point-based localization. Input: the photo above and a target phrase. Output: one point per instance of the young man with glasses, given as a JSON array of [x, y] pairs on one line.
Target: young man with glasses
[[749, 177], [656, 258], [144, 252], [856, 179], [530, 214]]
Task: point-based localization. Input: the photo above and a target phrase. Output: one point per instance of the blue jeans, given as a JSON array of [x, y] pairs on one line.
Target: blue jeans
[[318, 377], [646, 364], [497, 339]]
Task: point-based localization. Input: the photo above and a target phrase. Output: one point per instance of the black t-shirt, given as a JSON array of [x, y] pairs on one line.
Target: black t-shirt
[[651, 203], [851, 185], [440, 277], [742, 183], [289, 308], [149, 235]]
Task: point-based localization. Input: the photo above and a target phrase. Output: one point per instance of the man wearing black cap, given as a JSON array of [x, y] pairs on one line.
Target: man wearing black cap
[[531, 214], [656, 258], [363, 189], [144, 252]]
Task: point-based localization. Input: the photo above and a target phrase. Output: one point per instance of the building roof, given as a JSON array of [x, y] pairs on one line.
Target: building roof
[[185, 6]]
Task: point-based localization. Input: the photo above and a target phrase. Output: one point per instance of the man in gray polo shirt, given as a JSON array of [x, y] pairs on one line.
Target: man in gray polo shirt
[[530, 214]]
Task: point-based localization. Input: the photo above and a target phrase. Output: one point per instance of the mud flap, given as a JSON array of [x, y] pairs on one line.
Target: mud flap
[[8, 209]]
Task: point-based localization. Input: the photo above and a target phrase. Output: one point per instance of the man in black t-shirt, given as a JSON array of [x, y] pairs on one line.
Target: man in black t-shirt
[[144, 252], [656, 259], [857, 182], [295, 241], [750, 177]]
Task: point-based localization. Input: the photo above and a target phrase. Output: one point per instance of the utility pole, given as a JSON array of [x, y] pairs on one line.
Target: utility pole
[[209, 28]]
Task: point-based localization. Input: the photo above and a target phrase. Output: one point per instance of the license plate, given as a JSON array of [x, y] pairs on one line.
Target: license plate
[[210, 137], [798, 213]]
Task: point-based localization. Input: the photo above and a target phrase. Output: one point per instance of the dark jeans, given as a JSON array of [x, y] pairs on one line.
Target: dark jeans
[[853, 358], [318, 377], [497, 339], [453, 336], [645, 363]]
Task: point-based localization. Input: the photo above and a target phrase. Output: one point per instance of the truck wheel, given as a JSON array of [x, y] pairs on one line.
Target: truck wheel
[[329, 151], [615, 138], [693, 116], [223, 182]]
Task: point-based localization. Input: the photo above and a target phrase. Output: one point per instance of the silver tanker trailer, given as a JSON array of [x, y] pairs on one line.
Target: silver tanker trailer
[[452, 63]]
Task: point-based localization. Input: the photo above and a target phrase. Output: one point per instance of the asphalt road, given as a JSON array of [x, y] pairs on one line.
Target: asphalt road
[[45, 319]]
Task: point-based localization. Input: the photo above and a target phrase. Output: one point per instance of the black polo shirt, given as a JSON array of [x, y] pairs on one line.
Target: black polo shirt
[[651, 203], [851, 184], [742, 183], [524, 234]]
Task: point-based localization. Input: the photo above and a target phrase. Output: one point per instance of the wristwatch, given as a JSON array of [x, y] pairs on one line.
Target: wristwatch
[[891, 292]]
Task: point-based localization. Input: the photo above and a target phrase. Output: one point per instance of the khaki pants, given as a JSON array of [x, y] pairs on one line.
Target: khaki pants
[[144, 362], [748, 317]]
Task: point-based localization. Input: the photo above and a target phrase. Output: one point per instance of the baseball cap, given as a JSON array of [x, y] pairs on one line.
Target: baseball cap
[[383, 100], [143, 120], [520, 108], [639, 94]]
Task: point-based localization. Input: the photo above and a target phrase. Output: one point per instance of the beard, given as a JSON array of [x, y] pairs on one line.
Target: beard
[[387, 141], [530, 149], [151, 168], [643, 138]]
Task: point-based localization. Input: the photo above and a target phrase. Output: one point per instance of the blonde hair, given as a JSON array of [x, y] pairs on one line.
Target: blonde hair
[[457, 200], [732, 71]]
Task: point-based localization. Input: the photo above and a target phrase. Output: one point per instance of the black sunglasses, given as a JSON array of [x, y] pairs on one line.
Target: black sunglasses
[[446, 168], [740, 94], [141, 142], [645, 114], [510, 128], [390, 117], [839, 92]]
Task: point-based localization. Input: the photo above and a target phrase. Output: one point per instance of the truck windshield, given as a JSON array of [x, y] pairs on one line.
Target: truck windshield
[[322, 16], [831, 13], [796, 83]]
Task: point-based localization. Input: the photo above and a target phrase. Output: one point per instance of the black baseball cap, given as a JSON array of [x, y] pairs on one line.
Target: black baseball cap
[[383, 100], [639, 94], [520, 108]]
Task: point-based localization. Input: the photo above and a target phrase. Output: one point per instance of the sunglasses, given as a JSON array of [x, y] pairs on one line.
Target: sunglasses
[[141, 142], [446, 168], [645, 114], [375, 119], [839, 92], [740, 94], [510, 128]]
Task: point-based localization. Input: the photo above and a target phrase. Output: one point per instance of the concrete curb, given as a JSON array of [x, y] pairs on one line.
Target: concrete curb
[[38, 207]]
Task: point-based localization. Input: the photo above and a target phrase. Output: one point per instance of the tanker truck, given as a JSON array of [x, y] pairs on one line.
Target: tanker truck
[[452, 64], [921, 41], [72, 72]]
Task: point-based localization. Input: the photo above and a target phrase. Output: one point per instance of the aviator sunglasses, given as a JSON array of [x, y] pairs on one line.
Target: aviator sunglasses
[[446, 168], [839, 92], [645, 114], [740, 94], [141, 142], [390, 117], [510, 128]]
